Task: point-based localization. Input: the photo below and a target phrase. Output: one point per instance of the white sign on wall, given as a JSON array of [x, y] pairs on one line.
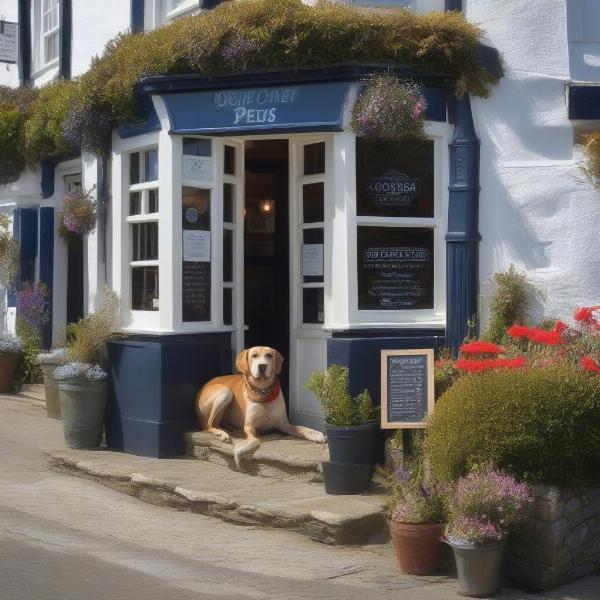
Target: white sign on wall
[[197, 168], [312, 260], [196, 245], [8, 42]]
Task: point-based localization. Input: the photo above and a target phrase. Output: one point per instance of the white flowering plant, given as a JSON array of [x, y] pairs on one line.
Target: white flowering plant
[[58, 355], [80, 372], [10, 345]]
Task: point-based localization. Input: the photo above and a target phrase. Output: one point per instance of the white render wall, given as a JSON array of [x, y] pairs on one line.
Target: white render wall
[[536, 208]]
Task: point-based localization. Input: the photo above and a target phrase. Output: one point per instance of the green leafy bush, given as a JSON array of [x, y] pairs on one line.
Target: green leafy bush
[[340, 409], [591, 164], [541, 424]]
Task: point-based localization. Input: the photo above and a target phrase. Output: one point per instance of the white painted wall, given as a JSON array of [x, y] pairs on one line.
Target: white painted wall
[[536, 208]]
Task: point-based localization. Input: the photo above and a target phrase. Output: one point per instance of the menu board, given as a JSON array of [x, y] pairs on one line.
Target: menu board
[[407, 388], [395, 179], [196, 291], [395, 268]]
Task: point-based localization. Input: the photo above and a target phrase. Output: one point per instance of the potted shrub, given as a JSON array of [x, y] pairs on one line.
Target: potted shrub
[[416, 511], [483, 507], [48, 362], [82, 380], [11, 349]]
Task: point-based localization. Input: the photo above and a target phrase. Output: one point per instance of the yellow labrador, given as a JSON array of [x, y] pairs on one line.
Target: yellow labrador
[[251, 400]]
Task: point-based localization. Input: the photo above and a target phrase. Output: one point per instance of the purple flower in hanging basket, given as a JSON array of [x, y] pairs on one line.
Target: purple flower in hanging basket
[[78, 215], [31, 304]]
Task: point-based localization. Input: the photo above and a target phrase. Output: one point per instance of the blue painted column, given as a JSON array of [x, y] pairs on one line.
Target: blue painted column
[[24, 8], [462, 237], [137, 16], [65, 39], [47, 266]]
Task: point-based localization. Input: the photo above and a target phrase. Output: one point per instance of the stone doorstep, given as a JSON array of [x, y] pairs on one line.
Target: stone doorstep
[[219, 492], [277, 456]]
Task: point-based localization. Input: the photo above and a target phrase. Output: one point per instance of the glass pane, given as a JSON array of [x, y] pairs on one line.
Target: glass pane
[[395, 179], [196, 208], [195, 147], [313, 305], [229, 160], [395, 268], [314, 158], [227, 306], [134, 168], [135, 203], [152, 201], [227, 255], [313, 201], [228, 202], [144, 238], [312, 255], [144, 288], [151, 165]]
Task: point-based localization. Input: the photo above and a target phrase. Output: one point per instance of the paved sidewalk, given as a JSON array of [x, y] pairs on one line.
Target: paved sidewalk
[[63, 537]]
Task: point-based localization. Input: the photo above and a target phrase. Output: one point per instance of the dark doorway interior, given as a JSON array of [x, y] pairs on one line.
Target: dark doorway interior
[[266, 249], [74, 279]]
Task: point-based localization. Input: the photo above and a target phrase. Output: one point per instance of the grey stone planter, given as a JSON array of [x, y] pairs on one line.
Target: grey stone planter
[[83, 404], [50, 387]]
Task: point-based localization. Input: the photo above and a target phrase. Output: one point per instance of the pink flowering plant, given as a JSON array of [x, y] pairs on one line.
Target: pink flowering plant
[[484, 505], [78, 215], [389, 109]]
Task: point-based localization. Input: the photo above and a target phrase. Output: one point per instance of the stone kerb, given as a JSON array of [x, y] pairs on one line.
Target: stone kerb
[[560, 541]]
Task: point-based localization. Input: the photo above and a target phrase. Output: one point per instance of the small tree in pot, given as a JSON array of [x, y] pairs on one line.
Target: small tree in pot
[[82, 381]]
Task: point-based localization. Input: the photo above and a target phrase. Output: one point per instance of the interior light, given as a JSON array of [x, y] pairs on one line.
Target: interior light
[[266, 206]]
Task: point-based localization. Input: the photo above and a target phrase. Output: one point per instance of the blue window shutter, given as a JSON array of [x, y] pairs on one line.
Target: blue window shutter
[[24, 41], [12, 298], [47, 184], [137, 16], [47, 266], [28, 240], [65, 37]]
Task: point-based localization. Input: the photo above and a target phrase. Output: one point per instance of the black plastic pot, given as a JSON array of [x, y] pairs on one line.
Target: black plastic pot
[[346, 478], [356, 444]]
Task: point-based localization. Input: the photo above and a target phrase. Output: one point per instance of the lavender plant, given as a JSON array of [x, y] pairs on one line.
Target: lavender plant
[[31, 304]]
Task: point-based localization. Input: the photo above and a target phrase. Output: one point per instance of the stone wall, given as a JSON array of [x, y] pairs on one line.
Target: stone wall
[[560, 541]]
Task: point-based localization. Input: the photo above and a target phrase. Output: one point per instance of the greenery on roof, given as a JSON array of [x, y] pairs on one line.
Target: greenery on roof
[[238, 35]]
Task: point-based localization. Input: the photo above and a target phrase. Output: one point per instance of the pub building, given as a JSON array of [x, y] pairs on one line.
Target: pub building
[[245, 211]]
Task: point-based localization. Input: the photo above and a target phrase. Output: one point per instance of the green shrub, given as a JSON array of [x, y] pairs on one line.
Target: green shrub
[[28, 369], [591, 164], [542, 425]]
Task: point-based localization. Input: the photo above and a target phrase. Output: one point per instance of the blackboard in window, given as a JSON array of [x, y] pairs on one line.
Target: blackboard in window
[[407, 388], [395, 179], [395, 268]]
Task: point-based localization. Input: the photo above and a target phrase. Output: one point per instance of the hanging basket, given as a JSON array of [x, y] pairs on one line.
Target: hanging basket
[[78, 215]]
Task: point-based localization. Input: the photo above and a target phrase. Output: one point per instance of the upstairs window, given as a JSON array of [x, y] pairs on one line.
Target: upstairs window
[[175, 8], [47, 31]]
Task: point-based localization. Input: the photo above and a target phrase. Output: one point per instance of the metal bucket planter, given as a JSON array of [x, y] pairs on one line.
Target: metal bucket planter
[[478, 567], [50, 388], [418, 546], [82, 405], [8, 370], [355, 444]]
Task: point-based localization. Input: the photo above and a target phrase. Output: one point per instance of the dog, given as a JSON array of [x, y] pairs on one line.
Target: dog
[[250, 400]]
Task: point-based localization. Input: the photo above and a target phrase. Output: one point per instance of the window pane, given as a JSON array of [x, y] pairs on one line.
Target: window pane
[[144, 288], [314, 158], [227, 255], [152, 201], [134, 168], [228, 306], [144, 238], [194, 147], [229, 160], [395, 268], [196, 208], [151, 165], [313, 305], [395, 179], [313, 199], [135, 203], [228, 202], [312, 255], [50, 47]]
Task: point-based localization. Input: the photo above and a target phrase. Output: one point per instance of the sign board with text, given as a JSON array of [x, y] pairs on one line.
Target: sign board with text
[[9, 52], [407, 388]]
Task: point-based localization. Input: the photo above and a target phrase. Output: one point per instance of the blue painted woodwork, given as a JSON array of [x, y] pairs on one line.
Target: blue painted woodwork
[[65, 38], [454, 5], [47, 266], [210, 3], [137, 15], [462, 237], [24, 42], [584, 101], [101, 201], [147, 119], [28, 245], [154, 380], [48, 173], [11, 300]]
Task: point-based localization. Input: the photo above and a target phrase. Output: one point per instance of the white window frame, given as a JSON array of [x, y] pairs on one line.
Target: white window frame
[[40, 36], [169, 13]]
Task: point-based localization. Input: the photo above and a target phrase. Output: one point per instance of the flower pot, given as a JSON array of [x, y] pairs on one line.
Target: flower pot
[[8, 369], [418, 546], [346, 478], [82, 405], [355, 444], [51, 389], [478, 567]]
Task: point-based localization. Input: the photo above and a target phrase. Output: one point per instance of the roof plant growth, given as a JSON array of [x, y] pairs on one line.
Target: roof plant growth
[[240, 34]]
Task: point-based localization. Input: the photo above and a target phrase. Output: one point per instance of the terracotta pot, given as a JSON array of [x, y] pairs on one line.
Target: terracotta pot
[[8, 369], [418, 546]]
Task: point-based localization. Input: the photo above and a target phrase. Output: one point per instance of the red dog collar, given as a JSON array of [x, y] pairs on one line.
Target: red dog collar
[[263, 396]]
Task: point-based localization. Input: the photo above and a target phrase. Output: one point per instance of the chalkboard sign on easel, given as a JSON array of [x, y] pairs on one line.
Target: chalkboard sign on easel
[[407, 388]]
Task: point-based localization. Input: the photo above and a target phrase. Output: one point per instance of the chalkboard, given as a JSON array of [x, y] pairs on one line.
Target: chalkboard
[[195, 295], [407, 388], [395, 268]]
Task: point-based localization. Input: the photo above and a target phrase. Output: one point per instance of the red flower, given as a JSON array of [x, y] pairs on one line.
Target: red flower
[[589, 364], [518, 331], [481, 347], [487, 364], [585, 313], [559, 327], [541, 336]]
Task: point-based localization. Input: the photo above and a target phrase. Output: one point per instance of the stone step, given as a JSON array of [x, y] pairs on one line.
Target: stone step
[[277, 456], [217, 491]]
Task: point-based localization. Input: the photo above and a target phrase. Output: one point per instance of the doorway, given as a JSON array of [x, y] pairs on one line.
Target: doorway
[[266, 249]]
